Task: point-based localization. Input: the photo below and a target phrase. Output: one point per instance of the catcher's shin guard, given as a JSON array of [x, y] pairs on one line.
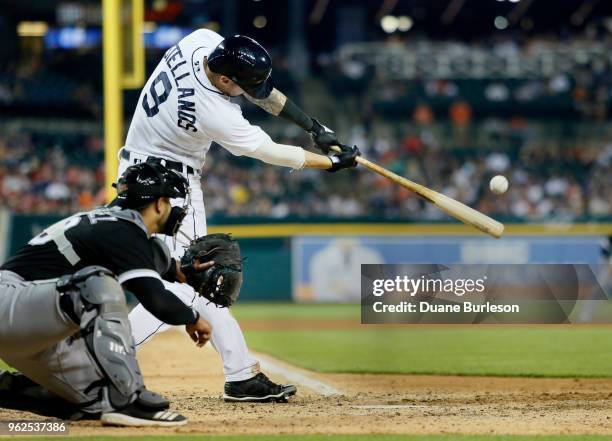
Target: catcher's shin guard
[[98, 303]]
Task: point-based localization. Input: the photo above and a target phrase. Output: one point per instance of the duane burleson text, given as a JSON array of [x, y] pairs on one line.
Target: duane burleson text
[[456, 307]]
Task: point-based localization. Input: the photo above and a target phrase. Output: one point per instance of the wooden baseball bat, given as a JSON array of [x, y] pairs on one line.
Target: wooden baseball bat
[[450, 206]]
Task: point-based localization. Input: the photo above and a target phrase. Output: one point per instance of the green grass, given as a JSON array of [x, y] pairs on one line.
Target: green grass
[[276, 310], [338, 438], [543, 351]]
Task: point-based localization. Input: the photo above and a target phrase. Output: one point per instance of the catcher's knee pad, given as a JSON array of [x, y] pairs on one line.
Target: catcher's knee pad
[[99, 303]]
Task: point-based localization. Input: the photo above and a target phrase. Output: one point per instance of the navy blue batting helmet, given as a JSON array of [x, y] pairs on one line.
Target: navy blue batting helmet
[[245, 62]]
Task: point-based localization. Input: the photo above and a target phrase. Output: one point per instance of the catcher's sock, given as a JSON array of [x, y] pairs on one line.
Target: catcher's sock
[[258, 388]]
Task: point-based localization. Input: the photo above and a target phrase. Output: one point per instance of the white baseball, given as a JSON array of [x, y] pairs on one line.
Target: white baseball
[[498, 184]]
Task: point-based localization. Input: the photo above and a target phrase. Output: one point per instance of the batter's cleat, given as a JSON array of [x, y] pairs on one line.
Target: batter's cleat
[[136, 416], [258, 389]]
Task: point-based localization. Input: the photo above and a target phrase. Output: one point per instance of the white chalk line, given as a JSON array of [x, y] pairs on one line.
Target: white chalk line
[[296, 375], [291, 373]]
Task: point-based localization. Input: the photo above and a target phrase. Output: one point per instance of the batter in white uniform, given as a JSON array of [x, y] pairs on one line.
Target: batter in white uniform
[[183, 107]]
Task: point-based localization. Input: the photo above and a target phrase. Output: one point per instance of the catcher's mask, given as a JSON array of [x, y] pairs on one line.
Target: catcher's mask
[[145, 182], [177, 214]]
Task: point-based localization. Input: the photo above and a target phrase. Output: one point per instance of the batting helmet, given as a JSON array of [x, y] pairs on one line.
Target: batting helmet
[[145, 182], [245, 62]]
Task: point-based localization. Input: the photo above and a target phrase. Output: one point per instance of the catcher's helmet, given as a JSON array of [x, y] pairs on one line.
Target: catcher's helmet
[[145, 182], [245, 62]]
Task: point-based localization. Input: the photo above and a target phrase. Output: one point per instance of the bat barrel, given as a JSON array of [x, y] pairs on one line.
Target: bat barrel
[[450, 206]]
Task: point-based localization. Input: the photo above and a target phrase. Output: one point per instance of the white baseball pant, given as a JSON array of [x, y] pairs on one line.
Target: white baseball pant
[[227, 337]]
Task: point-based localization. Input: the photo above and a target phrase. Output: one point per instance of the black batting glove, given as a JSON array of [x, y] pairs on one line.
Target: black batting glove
[[347, 158], [323, 137]]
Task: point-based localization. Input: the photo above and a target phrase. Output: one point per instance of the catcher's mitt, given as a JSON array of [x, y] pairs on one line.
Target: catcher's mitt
[[220, 283]]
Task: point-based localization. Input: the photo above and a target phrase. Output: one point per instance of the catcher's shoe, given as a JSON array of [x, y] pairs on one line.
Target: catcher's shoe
[[137, 416], [259, 389], [14, 381], [18, 392]]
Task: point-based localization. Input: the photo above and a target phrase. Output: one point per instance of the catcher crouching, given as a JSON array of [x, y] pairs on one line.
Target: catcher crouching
[[63, 316]]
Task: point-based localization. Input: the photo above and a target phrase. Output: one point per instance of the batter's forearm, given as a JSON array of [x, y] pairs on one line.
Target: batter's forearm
[[280, 154], [273, 104], [314, 160], [290, 156], [293, 113], [278, 104]]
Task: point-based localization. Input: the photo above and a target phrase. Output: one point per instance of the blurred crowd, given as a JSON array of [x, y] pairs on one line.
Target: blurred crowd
[[543, 75], [452, 135], [551, 178], [42, 173], [60, 83]]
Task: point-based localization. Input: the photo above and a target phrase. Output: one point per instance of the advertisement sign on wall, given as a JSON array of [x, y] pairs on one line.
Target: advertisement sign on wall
[[327, 269]]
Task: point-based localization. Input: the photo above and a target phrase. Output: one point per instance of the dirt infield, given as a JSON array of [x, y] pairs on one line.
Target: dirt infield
[[192, 378]]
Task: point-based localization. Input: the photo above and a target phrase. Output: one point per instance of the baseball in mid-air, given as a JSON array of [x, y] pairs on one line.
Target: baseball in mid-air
[[498, 184]]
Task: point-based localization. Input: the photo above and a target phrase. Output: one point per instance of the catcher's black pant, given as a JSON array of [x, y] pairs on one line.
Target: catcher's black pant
[[38, 339]]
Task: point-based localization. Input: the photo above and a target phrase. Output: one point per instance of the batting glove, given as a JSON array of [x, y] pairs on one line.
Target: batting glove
[[323, 137], [347, 158]]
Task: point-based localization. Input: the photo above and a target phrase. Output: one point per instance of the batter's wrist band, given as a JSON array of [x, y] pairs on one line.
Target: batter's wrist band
[[294, 114], [335, 160]]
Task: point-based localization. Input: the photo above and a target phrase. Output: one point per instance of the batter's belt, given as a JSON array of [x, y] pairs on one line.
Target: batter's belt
[[173, 165]]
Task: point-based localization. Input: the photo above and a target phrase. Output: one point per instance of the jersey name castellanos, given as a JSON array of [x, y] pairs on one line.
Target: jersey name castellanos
[[179, 112]]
